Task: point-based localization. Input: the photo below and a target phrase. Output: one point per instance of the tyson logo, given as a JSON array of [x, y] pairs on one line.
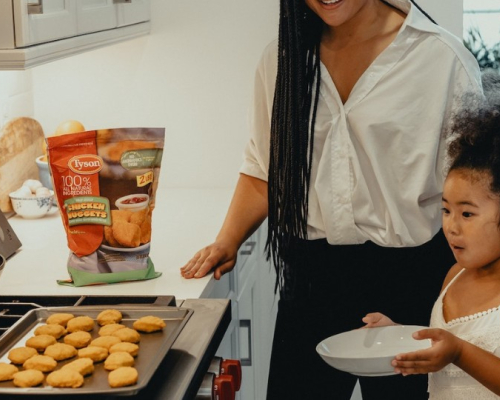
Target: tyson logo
[[85, 164]]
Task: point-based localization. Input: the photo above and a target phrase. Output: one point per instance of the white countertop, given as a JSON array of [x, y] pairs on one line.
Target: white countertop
[[184, 221]]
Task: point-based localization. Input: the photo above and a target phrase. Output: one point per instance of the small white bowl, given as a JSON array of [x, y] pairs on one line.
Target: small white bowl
[[44, 172], [133, 202], [369, 351], [32, 207]]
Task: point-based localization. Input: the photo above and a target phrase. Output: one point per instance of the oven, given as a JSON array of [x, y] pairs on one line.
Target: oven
[[189, 369]]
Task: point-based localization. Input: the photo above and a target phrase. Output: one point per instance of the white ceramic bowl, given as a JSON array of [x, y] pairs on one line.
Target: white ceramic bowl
[[369, 351], [32, 207], [133, 202], [44, 172]]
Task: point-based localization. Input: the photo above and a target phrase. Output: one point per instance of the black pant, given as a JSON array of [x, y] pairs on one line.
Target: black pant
[[335, 287]]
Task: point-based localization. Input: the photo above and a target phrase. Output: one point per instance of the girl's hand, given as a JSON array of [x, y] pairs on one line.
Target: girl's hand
[[376, 319], [445, 350], [219, 256]]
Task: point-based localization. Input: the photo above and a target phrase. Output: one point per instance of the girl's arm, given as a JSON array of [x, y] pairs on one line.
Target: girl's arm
[[446, 349]]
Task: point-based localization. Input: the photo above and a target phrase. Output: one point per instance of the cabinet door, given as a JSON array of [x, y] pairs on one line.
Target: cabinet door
[[96, 15], [57, 20], [265, 322], [247, 307], [134, 12]]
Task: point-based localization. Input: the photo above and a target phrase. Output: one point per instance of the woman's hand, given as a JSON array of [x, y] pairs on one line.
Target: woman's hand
[[373, 320], [219, 256], [246, 212], [445, 350]]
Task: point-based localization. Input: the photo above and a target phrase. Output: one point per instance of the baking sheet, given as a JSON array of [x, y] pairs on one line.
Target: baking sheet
[[152, 347]]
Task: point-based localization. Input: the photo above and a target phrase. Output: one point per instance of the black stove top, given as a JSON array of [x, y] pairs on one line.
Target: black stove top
[[181, 372]]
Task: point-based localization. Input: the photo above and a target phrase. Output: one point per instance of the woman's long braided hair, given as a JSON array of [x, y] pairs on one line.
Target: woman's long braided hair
[[292, 132]]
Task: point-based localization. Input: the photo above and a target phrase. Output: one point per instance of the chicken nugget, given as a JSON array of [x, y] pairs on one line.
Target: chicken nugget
[[65, 378], [55, 330], [108, 235], [95, 353], [28, 378], [110, 316], [138, 217], [127, 234], [117, 360], [40, 342], [149, 324], [59, 319], [105, 341], [41, 363], [82, 323], [123, 376], [107, 330], [84, 366], [20, 354], [127, 335], [7, 371], [130, 348], [120, 215], [78, 339], [60, 351]]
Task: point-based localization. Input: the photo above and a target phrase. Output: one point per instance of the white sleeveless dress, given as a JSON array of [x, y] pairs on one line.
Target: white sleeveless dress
[[481, 329]]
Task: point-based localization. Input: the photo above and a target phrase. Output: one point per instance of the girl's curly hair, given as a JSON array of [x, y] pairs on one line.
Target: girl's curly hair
[[476, 131]]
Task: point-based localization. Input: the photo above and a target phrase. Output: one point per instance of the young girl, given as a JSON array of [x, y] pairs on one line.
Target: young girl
[[463, 360]]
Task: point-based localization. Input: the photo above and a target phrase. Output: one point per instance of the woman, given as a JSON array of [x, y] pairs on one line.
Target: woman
[[347, 161]]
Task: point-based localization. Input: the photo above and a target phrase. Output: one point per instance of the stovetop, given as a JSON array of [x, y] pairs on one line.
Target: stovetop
[[12, 308], [181, 372]]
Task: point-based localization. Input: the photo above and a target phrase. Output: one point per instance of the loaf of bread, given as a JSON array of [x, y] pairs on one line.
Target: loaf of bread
[[21, 142]]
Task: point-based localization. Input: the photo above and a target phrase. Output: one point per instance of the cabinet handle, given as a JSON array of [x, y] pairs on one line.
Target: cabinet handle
[[121, 1], [250, 245], [246, 359], [35, 7]]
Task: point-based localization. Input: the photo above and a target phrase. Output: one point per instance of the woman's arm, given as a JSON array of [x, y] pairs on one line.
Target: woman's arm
[[246, 212], [447, 348]]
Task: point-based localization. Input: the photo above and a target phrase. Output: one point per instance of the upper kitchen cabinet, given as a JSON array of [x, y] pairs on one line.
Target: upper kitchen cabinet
[[34, 32]]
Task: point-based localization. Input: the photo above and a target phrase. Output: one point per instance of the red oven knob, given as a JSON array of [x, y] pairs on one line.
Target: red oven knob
[[224, 388], [218, 366], [233, 368]]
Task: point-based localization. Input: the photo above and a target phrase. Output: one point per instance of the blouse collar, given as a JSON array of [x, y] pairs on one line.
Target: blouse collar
[[415, 18]]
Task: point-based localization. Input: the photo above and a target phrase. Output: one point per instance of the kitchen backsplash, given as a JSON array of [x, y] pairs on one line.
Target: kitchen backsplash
[[16, 95]]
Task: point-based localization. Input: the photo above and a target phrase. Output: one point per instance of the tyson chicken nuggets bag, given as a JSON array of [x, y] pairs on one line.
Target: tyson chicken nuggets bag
[[105, 183]]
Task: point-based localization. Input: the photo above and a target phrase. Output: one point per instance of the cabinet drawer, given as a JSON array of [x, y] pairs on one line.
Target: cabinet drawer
[[133, 13], [220, 289], [96, 15], [248, 256], [56, 20], [33, 32]]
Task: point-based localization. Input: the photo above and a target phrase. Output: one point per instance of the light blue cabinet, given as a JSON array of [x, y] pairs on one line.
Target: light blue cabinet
[[249, 337], [34, 32]]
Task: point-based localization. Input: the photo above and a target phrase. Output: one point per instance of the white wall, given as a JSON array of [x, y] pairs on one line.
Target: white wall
[[447, 13], [192, 75], [16, 95]]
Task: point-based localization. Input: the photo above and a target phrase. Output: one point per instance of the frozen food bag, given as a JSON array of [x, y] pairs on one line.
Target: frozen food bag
[[105, 184]]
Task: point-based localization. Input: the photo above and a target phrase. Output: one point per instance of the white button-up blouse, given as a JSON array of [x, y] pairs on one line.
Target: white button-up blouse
[[379, 159]]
